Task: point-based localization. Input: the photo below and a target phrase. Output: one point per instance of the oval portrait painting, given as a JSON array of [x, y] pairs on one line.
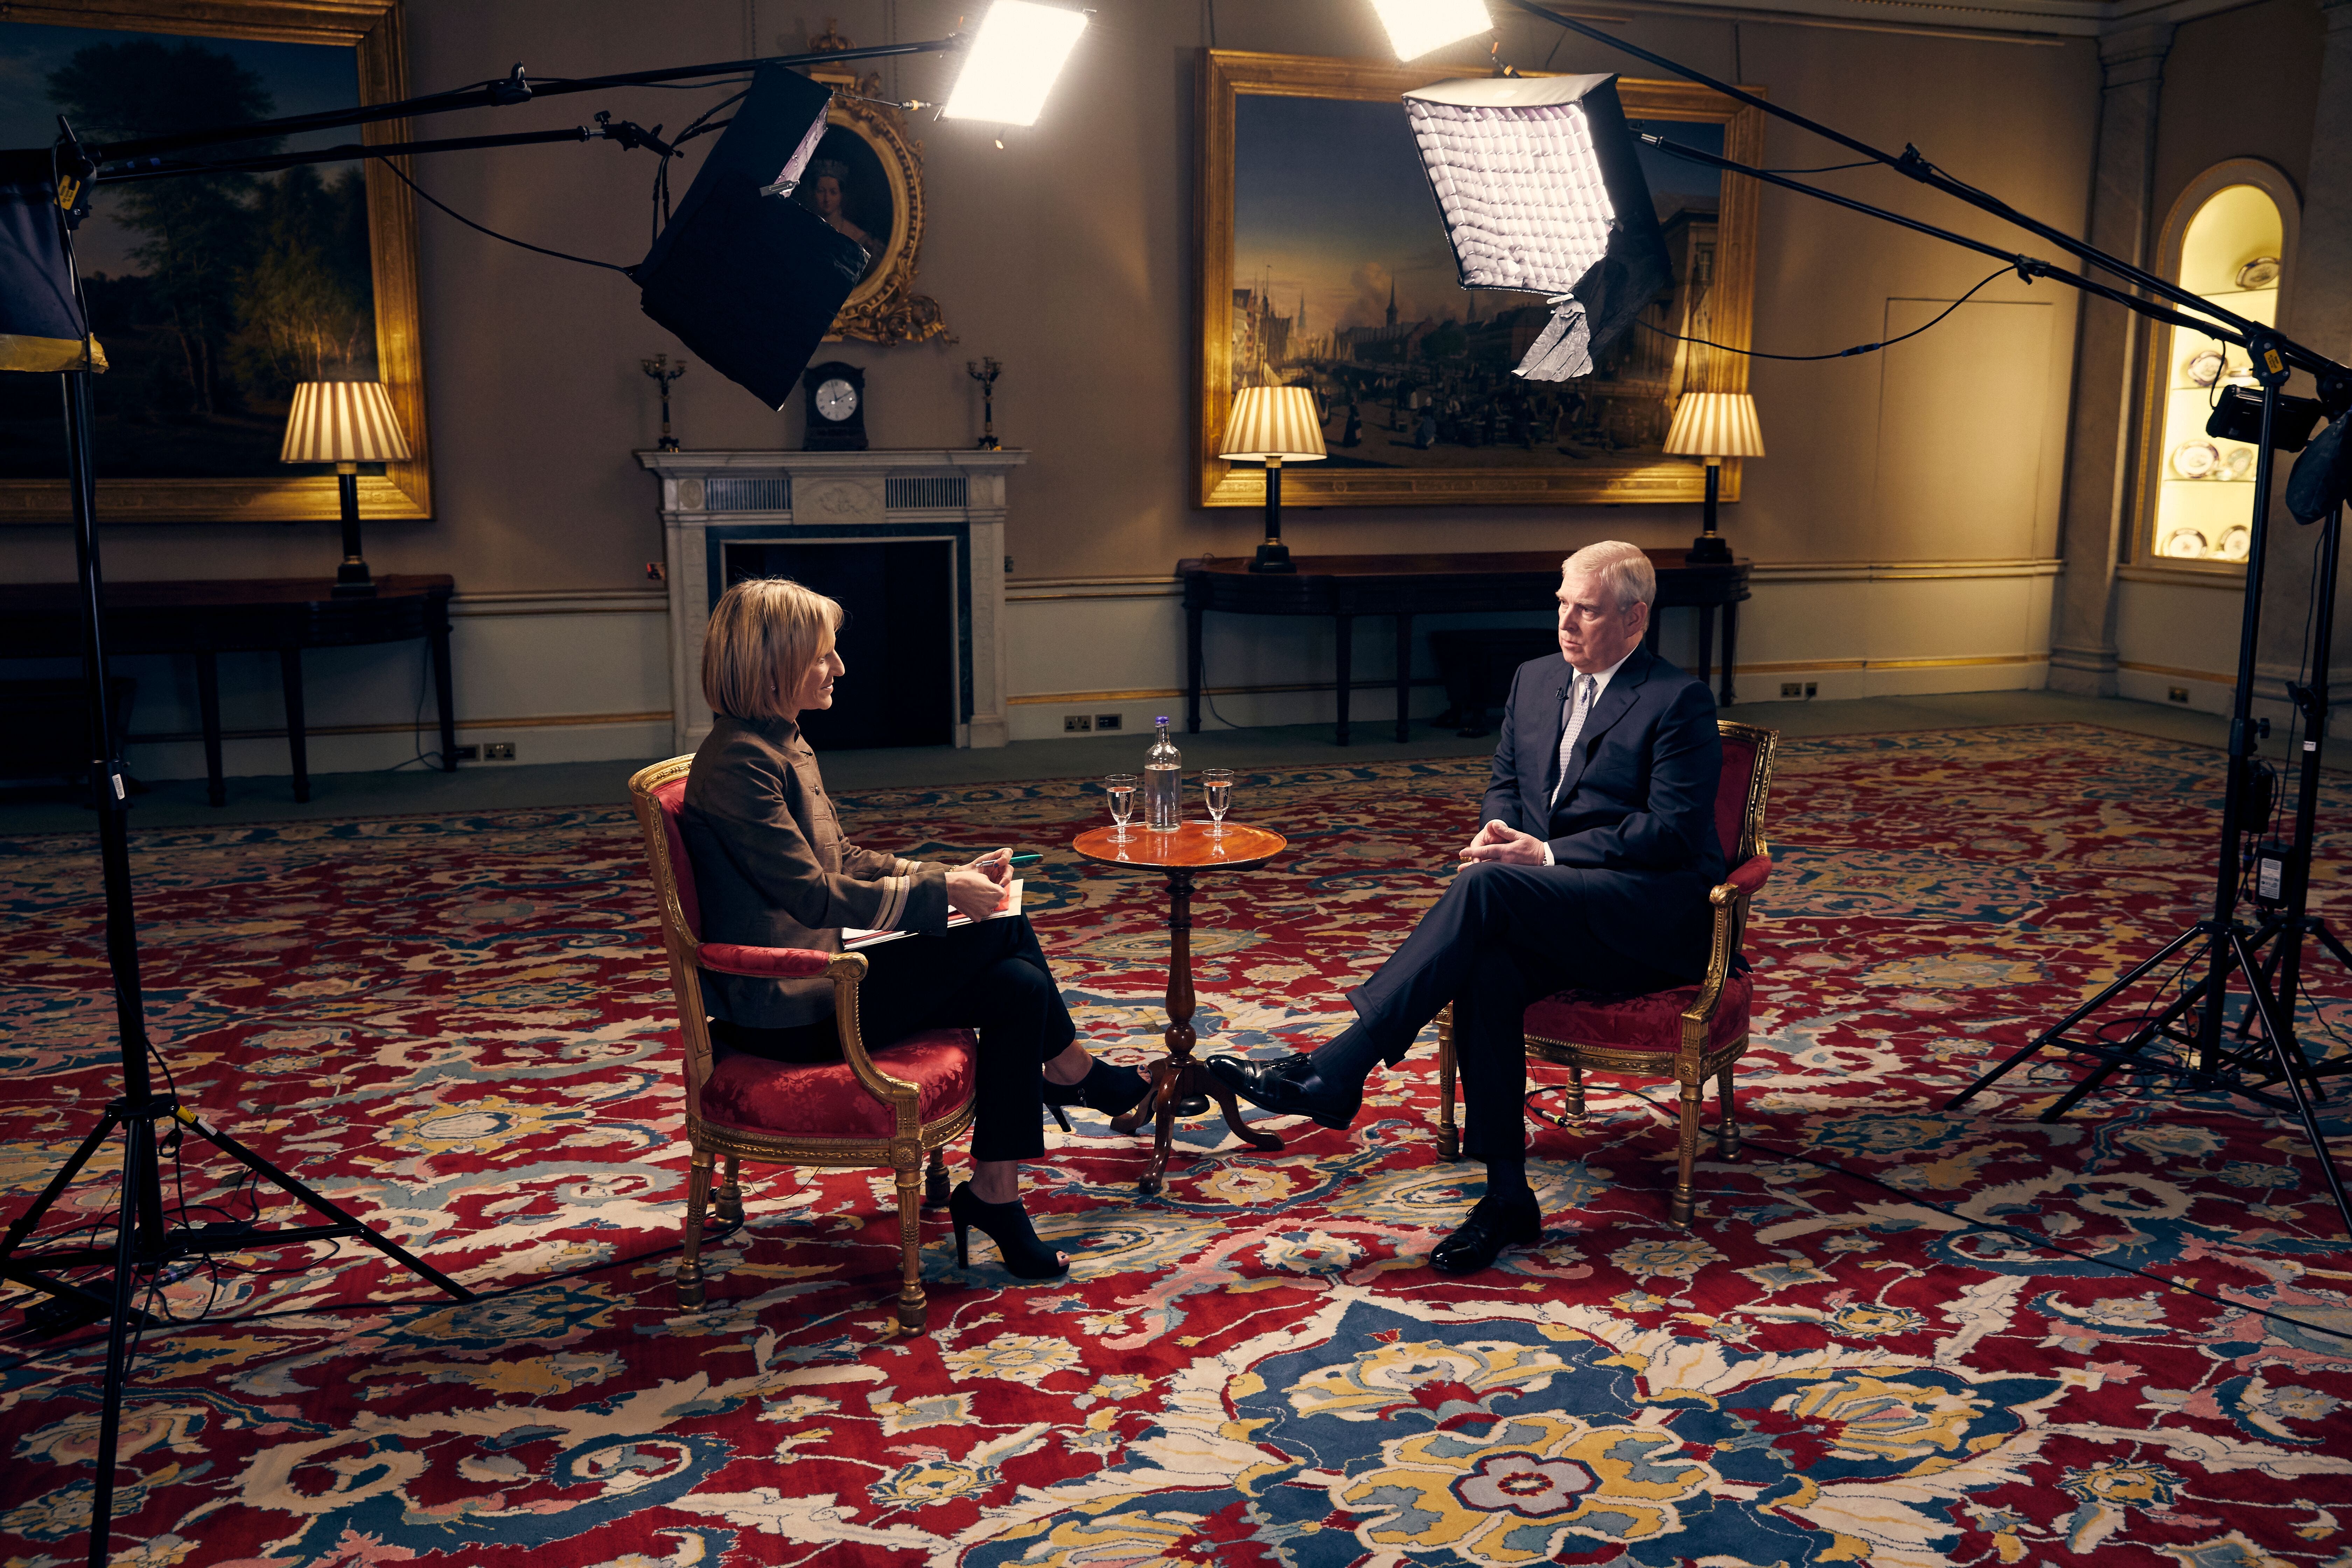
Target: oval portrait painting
[[849, 185]]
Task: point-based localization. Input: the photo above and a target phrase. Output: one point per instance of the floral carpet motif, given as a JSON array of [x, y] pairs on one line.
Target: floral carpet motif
[[1893, 1336]]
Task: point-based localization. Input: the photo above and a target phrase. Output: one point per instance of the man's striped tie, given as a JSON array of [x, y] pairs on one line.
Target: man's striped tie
[[1579, 707]]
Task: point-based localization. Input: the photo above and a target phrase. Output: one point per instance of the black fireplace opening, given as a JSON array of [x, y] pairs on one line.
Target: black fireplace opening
[[897, 638]]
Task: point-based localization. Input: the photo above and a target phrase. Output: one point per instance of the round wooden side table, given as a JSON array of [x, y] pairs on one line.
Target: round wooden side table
[[1181, 856]]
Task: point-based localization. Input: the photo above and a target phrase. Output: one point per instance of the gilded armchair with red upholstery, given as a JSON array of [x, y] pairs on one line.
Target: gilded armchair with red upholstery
[[897, 1106], [1690, 1033]]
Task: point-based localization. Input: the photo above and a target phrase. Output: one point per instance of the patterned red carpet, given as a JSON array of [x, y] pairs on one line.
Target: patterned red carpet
[[1893, 1336]]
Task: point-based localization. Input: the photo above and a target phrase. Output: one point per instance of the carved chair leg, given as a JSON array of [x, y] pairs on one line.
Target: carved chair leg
[[729, 1206], [912, 1310], [1449, 1136], [1726, 1131], [1575, 1089], [1684, 1206], [690, 1263], [935, 1181]]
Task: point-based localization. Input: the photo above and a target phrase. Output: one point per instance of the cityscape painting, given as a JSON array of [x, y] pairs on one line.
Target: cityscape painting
[[1342, 279]]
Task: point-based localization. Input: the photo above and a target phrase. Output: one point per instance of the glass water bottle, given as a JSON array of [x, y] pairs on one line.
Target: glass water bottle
[[1163, 788]]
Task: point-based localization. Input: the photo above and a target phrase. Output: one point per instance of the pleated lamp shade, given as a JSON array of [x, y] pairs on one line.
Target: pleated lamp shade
[[342, 421], [1716, 425], [1273, 422]]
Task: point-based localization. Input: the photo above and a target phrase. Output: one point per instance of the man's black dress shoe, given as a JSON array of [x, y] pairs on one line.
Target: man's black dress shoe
[[1289, 1087], [1494, 1225]]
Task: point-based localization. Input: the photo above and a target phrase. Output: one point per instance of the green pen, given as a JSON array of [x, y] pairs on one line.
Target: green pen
[[1025, 859]]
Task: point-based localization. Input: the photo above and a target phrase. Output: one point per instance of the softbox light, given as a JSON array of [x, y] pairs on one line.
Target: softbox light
[[746, 276], [1012, 62], [40, 329], [1418, 27], [1542, 191]]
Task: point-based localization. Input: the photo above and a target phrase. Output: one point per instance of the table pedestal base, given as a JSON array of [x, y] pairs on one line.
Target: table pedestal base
[[1173, 1077]]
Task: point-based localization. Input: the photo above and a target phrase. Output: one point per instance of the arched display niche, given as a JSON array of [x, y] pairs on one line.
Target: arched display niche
[[2230, 238]]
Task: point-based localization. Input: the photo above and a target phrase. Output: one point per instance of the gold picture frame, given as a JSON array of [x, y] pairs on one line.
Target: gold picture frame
[[884, 308], [1227, 75], [376, 31]]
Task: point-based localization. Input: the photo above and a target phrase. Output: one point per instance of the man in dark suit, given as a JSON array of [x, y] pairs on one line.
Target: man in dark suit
[[1591, 870]]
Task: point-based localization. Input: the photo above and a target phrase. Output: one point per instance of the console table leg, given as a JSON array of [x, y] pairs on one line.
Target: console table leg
[[437, 634], [208, 706], [1405, 675], [1731, 645], [1191, 670], [1346, 652], [289, 669], [1705, 644]]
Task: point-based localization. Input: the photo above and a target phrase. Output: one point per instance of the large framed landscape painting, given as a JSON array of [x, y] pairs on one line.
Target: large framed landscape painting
[[214, 295], [1323, 263]]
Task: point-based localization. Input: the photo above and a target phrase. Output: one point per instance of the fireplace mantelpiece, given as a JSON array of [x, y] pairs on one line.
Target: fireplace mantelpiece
[[710, 499]]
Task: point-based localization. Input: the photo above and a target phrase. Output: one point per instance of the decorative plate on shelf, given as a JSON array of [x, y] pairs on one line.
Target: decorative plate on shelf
[[2203, 367], [2236, 464], [2195, 459], [2262, 272], [2185, 544], [2235, 543]]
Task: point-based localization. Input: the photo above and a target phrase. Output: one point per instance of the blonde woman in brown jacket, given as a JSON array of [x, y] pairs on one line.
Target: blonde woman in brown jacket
[[772, 869]]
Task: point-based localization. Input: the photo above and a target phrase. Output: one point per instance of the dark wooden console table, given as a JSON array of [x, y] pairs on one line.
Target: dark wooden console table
[[1403, 586], [207, 618]]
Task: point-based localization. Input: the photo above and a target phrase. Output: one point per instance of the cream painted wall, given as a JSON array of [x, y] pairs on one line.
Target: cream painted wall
[[1067, 255]]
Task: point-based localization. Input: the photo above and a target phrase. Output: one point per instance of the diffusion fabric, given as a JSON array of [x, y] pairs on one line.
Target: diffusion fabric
[[1894, 1336]]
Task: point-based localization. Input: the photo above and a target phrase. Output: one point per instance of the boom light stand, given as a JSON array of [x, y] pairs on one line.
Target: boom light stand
[[1015, 55], [2228, 946]]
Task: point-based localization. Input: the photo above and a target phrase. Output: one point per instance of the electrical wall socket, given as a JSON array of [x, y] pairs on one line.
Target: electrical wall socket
[[468, 754], [498, 751], [1076, 724], [2176, 694], [1110, 720], [1812, 690], [1793, 689]]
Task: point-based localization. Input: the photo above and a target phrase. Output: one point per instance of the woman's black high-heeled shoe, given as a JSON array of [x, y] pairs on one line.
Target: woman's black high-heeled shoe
[[1007, 1224], [1105, 1087]]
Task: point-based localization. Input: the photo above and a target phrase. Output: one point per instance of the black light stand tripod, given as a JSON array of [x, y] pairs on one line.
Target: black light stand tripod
[[144, 1244], [2230, 946]]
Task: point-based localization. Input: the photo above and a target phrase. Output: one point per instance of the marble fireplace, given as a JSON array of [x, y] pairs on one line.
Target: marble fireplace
[[713, 503]]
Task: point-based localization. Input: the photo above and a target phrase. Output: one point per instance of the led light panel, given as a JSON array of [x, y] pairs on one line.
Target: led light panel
[[1012, 62], [1541, 191], [1417, 26]]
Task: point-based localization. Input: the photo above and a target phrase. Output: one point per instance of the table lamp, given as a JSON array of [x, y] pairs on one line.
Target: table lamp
[[1714, 426], [345, 423], [1271, 424]]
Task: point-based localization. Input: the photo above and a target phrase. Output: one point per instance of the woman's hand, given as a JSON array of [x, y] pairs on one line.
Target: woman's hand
[[996, 866], [972, 893]]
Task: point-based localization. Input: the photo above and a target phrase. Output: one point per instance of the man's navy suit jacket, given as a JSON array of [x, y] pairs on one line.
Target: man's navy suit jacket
[[1634, 829]]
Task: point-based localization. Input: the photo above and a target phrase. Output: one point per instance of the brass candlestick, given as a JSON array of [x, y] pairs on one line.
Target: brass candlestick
[[985, 371], [661, 369]]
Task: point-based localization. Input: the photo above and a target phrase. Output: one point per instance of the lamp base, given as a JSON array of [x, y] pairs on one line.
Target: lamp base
[[353, 582], [1709, 550], [1272, 556]]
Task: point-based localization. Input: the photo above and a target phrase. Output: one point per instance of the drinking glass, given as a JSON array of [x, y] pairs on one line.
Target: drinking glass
[[1121, 787], [1217, 790]]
